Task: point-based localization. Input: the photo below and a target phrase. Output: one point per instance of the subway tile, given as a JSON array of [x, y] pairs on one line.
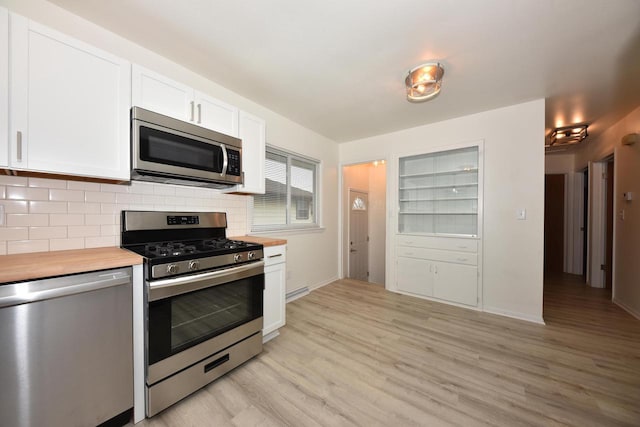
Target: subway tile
[[66, 219], [14, 233], [109, 230], [66, 244], [18, 181], [99, 197], [100, 219], [171, 200], [27, 220], [36, 233], [3, 191], [82, 185], [83, 208], [141, 188], [114, 188], [112, 208], [3, 248], [15, 206], [164, 190], [47, 183], [83, 230], [47, 207], [27, 246], [128, 198], [60, 195], [100, 242], [152, 199], [26, 193]]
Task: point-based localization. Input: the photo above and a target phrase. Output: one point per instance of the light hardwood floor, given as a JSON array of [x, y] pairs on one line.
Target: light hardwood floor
[[354, 354]]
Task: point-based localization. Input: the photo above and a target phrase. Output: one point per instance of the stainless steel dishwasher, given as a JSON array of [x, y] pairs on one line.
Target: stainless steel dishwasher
[[66, 350]]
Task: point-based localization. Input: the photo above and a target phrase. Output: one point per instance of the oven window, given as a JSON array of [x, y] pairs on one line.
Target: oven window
[[165, 148], [180, 322]]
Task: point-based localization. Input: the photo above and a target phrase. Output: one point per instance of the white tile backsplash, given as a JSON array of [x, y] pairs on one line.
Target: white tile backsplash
[[48, 215]]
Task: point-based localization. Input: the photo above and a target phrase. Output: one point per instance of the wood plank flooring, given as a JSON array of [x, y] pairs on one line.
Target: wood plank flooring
[[354, 354]]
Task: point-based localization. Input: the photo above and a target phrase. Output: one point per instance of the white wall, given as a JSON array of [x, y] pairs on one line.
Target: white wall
[[312, 257], [559, 163], [513, 179], [626, 250]]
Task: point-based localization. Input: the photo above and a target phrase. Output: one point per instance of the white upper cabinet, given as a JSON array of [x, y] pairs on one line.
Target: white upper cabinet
[[69, 105], [215, 115], [160, 94], [155, 92], [253, 135], [4, 87]]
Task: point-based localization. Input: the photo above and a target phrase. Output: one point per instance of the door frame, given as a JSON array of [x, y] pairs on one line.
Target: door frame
[[342, 227], [349, 190]]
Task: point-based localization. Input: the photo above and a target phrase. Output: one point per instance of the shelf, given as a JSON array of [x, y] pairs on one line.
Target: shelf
[[438, 200], [438, 213], [426, 187], [452, 172]]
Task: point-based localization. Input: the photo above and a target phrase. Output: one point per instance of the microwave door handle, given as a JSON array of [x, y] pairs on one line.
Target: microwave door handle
[[225, 160]]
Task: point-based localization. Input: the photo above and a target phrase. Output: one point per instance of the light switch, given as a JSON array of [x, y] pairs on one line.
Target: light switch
[[521, 214]]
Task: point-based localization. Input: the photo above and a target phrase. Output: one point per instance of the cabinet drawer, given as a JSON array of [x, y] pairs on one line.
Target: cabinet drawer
[[438, 255], [444, 243], [275, 254]]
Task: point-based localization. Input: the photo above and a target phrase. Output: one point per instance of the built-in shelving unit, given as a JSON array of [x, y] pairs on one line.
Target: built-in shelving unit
[[438, 193]]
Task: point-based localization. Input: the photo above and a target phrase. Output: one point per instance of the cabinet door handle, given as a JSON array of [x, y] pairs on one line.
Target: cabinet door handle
[[462, 247], [19, 146], [199, 113], [192, 111], [435, 269], [462, 259], [274, 256], [409, 254]]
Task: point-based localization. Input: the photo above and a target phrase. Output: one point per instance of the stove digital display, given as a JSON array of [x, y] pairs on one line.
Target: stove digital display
[[183, 220]]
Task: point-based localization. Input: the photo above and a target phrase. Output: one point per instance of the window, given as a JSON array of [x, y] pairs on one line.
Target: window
[[290, 198]]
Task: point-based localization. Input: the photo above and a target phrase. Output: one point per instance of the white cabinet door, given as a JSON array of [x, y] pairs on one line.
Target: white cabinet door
[[415, 276], [456, 283], [4, 87], [216, 115], [155, 92], [69, 105], [274, 297], [253, 135]]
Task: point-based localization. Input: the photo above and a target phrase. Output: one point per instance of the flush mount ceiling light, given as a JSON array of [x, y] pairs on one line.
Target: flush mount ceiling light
[[565, 136], [424, 81]]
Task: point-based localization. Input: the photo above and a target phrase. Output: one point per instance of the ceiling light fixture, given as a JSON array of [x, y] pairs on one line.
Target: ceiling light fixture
[[568, 135], [424, 81]]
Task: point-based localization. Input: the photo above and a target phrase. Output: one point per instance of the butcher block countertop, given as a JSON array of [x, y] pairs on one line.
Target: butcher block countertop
[[39, 265], [264, 241]]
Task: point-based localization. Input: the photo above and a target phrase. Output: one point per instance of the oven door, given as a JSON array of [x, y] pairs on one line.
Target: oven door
[[192, 317]]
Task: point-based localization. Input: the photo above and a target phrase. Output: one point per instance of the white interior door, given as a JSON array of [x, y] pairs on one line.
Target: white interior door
[[358, 235]]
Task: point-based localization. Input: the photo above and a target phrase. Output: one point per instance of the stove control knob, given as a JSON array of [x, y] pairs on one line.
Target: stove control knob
[[172, 269], [237, 258], [194, 265], [251, 255]]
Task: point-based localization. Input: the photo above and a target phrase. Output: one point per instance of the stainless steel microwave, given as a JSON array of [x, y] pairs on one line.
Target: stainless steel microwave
[[164, 149]]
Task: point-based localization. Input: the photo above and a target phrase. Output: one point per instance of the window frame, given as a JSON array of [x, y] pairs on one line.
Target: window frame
[[315, 206]]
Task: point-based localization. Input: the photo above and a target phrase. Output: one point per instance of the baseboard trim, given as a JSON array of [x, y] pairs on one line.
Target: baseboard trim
[[514, 315], [271, 335], [626, 308]]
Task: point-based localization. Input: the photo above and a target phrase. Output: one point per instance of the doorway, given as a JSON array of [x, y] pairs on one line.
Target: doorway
[[554, 224], [368, 181], [358, 235]]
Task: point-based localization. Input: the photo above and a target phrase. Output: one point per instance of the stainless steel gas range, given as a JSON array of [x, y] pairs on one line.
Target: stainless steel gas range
[[204, 300]]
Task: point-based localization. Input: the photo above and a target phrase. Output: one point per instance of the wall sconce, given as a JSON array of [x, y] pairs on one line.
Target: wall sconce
[[630, 139], [568, 135], [424, 81]]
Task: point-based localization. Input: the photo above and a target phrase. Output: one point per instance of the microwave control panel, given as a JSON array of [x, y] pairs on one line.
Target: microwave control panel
[[233, 165]]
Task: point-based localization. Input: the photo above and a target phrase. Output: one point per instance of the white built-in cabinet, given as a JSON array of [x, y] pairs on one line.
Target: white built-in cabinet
[[163, 95], [4, 87], [158, 93], [438, 240], [68, 106], [275, 285]]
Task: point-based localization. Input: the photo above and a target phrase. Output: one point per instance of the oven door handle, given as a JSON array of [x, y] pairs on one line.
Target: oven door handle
[[181, 285]]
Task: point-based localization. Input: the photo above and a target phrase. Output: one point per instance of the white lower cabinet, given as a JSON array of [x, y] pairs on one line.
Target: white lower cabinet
[[441, 268], [275, 274], [4, 86]]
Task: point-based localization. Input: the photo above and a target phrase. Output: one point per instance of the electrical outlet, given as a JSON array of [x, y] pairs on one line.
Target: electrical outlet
[[521, 214]]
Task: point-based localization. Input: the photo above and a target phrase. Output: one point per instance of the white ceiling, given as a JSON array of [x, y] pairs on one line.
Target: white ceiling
[[338, 66]]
